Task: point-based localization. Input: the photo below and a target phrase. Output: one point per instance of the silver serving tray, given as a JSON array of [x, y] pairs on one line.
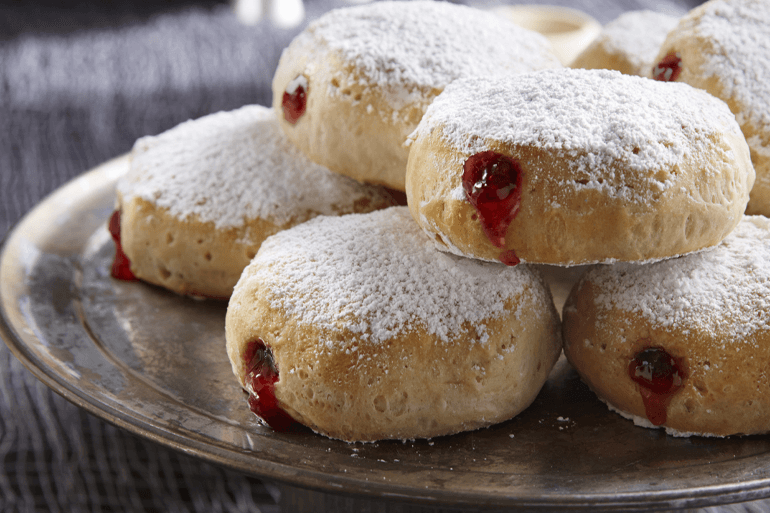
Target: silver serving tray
[[154, 363]]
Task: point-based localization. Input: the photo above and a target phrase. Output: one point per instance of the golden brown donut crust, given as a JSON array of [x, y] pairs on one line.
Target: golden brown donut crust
[[188, 257], [199, 199], [334, 125], [588, 226], [413, 388], [411, 383], [561, 220], [695, 50], [726, 390], [194, 258]]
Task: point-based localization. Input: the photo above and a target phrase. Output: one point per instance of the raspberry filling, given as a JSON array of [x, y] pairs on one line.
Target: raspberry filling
[[509, 258], [121, 265], [659, 376], [294, 99], [492, 183], [669, 68], [261, 375]]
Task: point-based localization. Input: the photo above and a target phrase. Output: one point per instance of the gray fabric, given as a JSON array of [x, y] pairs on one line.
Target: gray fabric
[[78, 87]]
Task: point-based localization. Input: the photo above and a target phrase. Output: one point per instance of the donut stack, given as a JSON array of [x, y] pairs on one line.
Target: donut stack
[[574, 167], [403, 322], [677, 343], [356, 326], [347, 320]]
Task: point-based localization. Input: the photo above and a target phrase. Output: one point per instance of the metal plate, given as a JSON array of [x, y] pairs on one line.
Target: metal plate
[[154, 363]]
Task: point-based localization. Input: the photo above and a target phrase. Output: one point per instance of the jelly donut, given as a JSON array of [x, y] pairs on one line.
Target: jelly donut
[[356, 327], [199, 199], [356, 82], [723, 47], [574, 166], [629, 44], [681, 344]]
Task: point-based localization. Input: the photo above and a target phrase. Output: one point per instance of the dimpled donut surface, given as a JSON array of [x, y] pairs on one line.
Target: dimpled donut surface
[[723, 47], [575, 166], [199, 199], [356, 82], [684, 343], [372, 334]]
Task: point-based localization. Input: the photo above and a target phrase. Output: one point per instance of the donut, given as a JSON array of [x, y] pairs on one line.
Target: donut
[[723, 47], [681, 344], [573, 166], [199, 199], [629, 43], [356, 82], [356, 327]]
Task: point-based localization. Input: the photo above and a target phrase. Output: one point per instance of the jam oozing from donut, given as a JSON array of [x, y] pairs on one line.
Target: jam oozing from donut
[[121, 265], [492, 183], [294, 99], [261, 375], [668, 69], [509, 258], [659, 376]]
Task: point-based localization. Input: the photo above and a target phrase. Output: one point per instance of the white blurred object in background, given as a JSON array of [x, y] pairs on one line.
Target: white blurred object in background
[[282, 13], [569, 30]]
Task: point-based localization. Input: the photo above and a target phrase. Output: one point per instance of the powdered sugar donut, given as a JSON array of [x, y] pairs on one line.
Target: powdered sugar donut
[[575, 166], [356, 82], [629, 43], [358, 328], [200, 198], [682, 344], [723, 47]]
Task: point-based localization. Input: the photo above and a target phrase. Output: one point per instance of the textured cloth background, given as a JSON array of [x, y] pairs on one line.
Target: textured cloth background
[[79, 83]]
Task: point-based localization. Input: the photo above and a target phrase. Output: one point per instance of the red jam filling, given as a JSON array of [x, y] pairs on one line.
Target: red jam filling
[[659, 376], [492, 183], [669, 68], [294, 99], [509, 258], [121, 265], [261, 375]]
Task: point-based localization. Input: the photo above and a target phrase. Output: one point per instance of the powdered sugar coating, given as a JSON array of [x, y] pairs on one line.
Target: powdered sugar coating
[[410, 49], [702, 291], [232, 166], [596, 119], [740, 58], [379, 275], [637, 35]]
